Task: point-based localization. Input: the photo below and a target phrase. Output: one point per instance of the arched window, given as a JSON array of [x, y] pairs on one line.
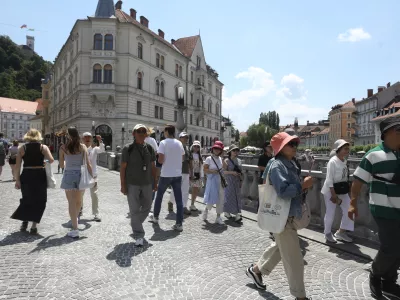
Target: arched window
[[97, 73], [157, 60], [176, 70], [108, 74], [157, 87], [139, 81], [162, 62], [180, 71], [162, 88], [98, 42], [108, 42], [140, 51]]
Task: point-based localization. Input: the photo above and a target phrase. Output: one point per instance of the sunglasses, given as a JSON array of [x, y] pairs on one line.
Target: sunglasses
[[293, 144], [235, 150], [141, 131]]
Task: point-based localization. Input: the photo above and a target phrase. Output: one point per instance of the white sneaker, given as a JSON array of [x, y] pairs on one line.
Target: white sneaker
[[73, 234], [205, 214], [227, 215], [177, 227], [330, 238], [342, 236], [193, 208], [97, 218], [139, 242], [219, 221], [238, 218], [153, 219]]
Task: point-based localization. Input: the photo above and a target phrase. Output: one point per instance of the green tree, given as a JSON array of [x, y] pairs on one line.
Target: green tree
[[237, 136], [270, 119], [243, 142]]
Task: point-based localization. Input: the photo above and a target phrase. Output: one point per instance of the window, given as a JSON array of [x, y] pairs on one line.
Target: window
[[209, 124], [191, 119], [191, 76], [157, 87], [12, 126], [198, 61], [197, 122], [162, 89], [202, 101], [108, 74], [348, 116], [161, 112], [65, 89], [176, 70], [139, 81], [46, 95], [20, 117], [217, 109], [176, 93], [202, 80], [157, 60], [198, 81], [348, 125], [210, 87], [76, 105], [156, 111], [198, 102], [12, 117], [162, 63], [139, 107], [98, 42], [108, 42], [175, 116], [180, 71], [70, 110], [20, 126], [209, 109], [140, 51], [191, 98], [202, 122], [97, 73], [216, 125]]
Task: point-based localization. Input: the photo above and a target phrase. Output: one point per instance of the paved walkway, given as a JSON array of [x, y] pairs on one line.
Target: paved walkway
[[205, 261]]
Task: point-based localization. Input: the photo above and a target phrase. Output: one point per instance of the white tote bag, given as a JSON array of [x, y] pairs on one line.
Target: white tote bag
[[51, 180], [273, 211], [87, 181]]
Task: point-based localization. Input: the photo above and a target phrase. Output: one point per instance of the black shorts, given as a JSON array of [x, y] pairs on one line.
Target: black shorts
[[12, 161]]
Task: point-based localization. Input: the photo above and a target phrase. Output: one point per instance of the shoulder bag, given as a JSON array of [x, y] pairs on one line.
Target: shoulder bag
[[342, 188], [87, 181], [224, 183]]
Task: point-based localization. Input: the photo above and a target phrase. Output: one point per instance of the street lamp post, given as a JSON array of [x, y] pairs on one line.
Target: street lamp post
[[93, 127], [123, 135], [181, 107]]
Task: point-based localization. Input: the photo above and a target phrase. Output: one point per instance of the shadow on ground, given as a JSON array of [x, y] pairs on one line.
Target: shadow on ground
[[163, 235], [214, 228], [48, 242], [264, 294], [123, 253], [19, 237]]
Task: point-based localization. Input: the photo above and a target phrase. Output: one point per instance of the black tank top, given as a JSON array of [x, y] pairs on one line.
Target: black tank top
[[33, 156]]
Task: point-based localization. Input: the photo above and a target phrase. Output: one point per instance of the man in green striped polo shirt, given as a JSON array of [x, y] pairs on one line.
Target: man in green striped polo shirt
[[380, 169]]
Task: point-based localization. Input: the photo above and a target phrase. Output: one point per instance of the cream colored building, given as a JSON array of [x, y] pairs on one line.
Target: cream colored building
[[114, 70]]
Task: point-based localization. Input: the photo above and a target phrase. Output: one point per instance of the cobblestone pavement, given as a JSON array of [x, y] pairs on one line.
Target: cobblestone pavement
[[205, 261]]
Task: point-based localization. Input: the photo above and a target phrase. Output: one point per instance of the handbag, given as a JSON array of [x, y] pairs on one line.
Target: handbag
[[273, 211], [87, 181], [342, 188], [51, 180], [224, 183], [305, 219]]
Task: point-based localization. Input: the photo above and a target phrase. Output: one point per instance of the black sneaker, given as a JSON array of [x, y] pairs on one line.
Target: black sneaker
[[170, 207], [375, 285], [257, 278], [391, 289], [24, 226]]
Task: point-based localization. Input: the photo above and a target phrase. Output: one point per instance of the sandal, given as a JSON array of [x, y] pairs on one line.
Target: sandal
[[34, 231], [24, 226]]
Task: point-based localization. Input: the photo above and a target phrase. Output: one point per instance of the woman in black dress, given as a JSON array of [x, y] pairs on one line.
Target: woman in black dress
[[32, 181]]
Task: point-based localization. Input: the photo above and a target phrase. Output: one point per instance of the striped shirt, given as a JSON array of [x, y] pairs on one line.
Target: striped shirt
[[384, 197]]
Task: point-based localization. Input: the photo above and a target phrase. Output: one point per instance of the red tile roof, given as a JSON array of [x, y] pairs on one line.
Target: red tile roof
[[39, 101], [18, 106], [186, 45], [348, 104]]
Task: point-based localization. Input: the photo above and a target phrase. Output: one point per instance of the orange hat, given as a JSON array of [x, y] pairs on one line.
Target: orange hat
[[281, 139]]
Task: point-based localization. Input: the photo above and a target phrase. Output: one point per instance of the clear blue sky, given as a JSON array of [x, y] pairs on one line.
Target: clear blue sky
[[296, 57]]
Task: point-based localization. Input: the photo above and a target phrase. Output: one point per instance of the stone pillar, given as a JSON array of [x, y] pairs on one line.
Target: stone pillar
[[254, 187], [180, 122], [245, 186]]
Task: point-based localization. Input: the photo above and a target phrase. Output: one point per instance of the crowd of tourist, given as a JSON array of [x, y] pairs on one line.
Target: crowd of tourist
[[149, 168]]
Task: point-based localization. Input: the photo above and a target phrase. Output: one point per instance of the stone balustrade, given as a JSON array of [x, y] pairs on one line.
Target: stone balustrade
[[365, 226]]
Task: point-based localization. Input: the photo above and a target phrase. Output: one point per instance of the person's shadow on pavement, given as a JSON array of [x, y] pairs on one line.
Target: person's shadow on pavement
[[19, 237], [163, 235], [214, 228], [264, 294], [48, 242], [123, 253], [84, 222]]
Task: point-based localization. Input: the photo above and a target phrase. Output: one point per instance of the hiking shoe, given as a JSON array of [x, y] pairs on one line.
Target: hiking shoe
[[177, 227], [97, 218], [330, 238], [153, 219], [73, 234], [375, 285], [391, 289], [186, 211], [219, 221], [342, 236], [193, 208], [139, 242], [170, 207], [257, 278], [205, 214]]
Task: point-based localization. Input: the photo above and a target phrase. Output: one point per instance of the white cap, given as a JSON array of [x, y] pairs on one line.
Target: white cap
[[138, 126], [87, 134], [183, 134]]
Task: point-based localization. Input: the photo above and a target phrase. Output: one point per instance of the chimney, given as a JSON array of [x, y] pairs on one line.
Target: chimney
[[161, 33], [380, 88], [308, 122], [133, 14], [172, 41], [370, 93], [118, 5], [353, 100], [388, 84], [144, 21]]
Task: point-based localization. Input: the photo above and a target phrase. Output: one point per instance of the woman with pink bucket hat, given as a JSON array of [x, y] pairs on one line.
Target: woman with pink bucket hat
[[214, 193], [284, 177]]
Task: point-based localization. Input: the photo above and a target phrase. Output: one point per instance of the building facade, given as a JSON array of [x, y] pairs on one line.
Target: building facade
[[15, 117], [341, 120], [114, 72]]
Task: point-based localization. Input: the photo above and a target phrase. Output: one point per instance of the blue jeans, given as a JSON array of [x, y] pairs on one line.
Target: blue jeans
[[176, 183]]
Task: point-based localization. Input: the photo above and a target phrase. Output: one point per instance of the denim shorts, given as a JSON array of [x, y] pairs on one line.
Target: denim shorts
[[70, 180]]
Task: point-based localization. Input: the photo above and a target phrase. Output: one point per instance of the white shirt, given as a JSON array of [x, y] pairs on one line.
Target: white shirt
[[336, 172], [152, 142], [93, 153], [173, 151], [217, 165]]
